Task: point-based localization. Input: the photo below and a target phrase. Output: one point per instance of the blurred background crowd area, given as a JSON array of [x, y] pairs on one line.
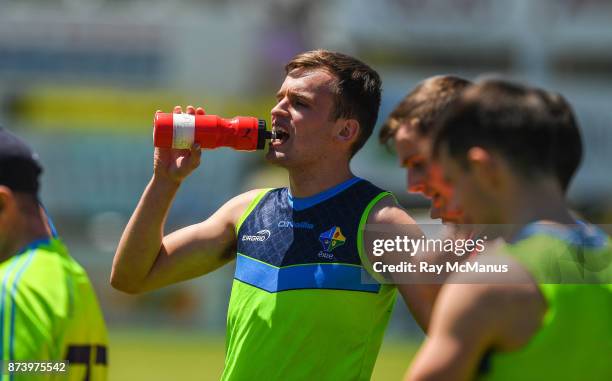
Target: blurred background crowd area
[[81, 80]]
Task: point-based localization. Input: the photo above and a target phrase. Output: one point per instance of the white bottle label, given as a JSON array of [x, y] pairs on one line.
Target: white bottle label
[[183, 134]]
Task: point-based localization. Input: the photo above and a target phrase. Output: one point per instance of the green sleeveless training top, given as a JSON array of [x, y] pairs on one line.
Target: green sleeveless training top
[[49, 312], [574, 272], [302, 305]]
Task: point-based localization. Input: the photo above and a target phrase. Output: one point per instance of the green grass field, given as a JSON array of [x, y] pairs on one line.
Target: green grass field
[[168, 355]]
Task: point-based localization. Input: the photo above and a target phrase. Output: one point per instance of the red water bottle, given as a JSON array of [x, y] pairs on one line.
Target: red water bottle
[[243, 133]]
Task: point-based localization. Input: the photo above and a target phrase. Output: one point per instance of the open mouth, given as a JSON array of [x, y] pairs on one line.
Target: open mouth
[[281, 133]]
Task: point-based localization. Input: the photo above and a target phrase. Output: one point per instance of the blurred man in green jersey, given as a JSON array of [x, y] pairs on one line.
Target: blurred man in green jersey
[[48, 309], [509, 152]]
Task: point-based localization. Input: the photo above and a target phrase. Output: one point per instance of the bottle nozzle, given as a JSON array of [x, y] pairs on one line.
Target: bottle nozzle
[[263, 134], [270, 135]]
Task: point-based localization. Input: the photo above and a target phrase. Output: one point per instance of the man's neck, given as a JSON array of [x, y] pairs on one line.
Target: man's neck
[[30, 229], [543, 202], [306, 182]]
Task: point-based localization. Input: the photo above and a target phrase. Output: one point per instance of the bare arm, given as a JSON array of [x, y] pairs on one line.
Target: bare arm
[[471, 319], [145, 259], [419, 297], [458, 338]]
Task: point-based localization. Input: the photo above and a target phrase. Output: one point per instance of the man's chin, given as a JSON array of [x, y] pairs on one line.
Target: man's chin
[[434, 213], [275, 157]]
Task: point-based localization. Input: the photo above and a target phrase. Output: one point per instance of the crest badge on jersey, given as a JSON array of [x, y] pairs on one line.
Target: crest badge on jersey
[[331, 239]]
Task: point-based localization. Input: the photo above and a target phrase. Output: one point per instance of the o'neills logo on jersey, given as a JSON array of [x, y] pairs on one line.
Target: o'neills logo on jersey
[[260, 236], [295, 225]]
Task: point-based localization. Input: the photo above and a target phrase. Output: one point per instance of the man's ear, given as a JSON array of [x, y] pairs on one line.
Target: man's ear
[[478, 156], [415, 123], [5, 195], [485, 165], [348, 130]]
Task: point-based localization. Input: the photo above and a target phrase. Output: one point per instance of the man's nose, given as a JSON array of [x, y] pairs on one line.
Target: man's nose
[[280, 108]]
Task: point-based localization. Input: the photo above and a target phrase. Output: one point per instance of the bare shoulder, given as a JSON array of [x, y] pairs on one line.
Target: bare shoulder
[[388, 211], [500, 290], [217, 233], [387, 219], [508, 309], [244, 199], [235, 207]]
